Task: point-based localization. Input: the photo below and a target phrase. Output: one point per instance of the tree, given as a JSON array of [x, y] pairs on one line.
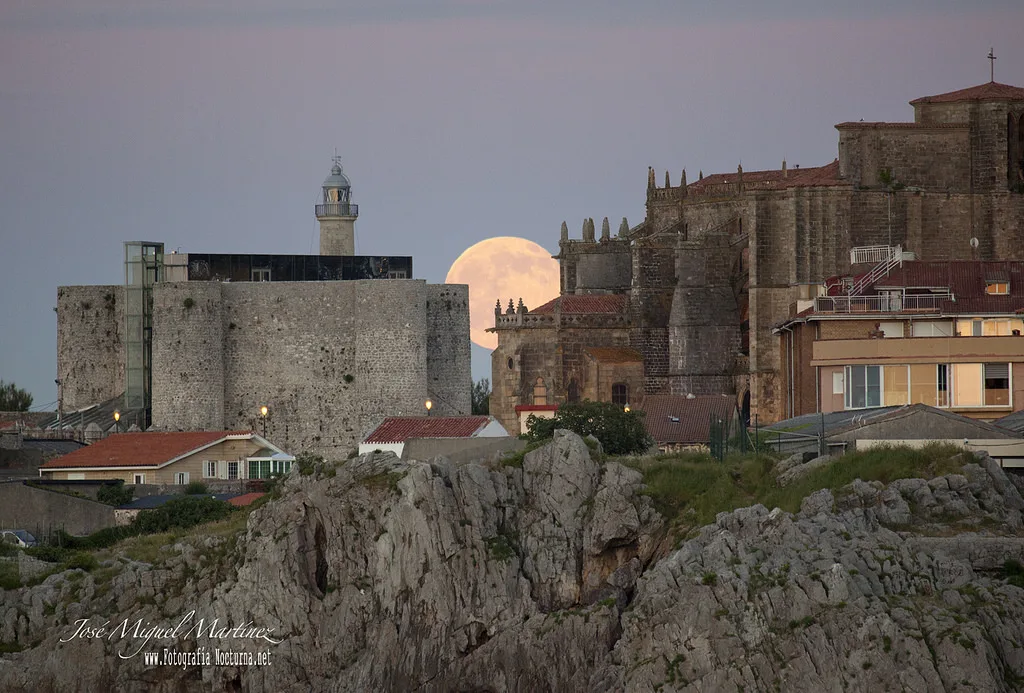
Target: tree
[[620, 432], [13, 398], [481, 397]]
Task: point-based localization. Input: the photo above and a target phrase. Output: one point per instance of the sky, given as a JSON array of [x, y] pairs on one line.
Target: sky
[[209, 125]]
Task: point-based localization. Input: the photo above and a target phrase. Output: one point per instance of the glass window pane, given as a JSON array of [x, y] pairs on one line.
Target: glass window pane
[[923, 384], [874, 386], [997, 384], [896, 386], [967, 385]]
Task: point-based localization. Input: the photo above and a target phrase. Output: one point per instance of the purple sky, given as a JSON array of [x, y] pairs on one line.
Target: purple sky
[[210, 125]]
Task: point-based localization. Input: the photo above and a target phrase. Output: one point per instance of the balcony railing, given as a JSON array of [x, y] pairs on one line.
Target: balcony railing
[[870, 254], [337, 209], [880, 304]]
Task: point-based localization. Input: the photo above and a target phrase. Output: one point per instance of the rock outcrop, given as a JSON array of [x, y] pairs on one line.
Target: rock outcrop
[[379, 574]]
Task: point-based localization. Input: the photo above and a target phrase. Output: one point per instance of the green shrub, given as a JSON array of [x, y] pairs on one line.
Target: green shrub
[[620, 432], [196, 488], [115, 494], [183, 512]]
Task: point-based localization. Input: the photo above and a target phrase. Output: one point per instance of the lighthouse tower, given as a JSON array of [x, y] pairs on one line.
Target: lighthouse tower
[[337, 215]]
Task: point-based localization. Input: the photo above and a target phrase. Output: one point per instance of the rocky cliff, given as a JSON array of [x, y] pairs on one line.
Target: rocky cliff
[[553, 574]]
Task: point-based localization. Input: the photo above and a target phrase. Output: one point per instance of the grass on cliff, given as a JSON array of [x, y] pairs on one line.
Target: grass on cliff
[[692, 488]]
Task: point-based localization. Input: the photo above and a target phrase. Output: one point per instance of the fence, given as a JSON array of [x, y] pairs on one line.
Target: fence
[[727, 436]]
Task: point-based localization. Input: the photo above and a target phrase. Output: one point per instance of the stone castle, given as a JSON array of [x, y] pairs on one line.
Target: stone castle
[[329, 343], [693, 291]]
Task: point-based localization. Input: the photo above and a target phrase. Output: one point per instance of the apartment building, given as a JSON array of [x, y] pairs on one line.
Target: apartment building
[[942, 333]]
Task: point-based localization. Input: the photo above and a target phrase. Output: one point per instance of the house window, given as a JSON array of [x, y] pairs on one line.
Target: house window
[[210, 469], [891, 329], [260, 469], [140, 479], [397, 274], [837, 383], [865, 387], [967, 385], [997, 384], [997, 288], [620, 394], [280, 466], [933, 328], [573, 393], [942, 387], [181, 478], [540, 392], [232, 470], [76, 476], [261, 274], [896, 386]]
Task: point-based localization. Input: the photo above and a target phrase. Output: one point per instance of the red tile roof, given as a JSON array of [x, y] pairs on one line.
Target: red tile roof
[[139, 449], [774, 179], [989, 91], [245, 499], [615, 354], [586, 303], [398, 429], [693, 414]]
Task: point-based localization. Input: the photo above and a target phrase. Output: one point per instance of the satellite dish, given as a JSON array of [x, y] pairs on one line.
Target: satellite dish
[[974, 243]]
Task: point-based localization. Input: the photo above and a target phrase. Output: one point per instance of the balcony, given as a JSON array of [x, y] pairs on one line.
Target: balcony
[[845, 352], [337, 209], [923, 303]]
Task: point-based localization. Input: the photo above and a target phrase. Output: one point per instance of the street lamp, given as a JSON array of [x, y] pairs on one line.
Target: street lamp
[[117, 421], [428, 404], [626, 408], [263, 413]]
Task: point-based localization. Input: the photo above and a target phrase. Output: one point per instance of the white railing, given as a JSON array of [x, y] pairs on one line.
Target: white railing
[[880, 270], [880, 303], [870, 253]]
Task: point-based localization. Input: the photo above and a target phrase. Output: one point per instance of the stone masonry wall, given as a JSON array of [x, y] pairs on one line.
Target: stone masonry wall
[[90, 344], [925, 157], [328, 359], [188, 356], [450, 377]]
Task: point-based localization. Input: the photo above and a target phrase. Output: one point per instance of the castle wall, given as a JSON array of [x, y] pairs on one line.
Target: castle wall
[[90, 344], [328, 359], [188, 356], [533, 354], [704, 326], [608, 270], [920, 156], [450, 378]]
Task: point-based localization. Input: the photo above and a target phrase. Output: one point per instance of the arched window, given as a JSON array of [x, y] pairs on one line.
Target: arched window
[[620, 394], [540, 392], [573, 393]]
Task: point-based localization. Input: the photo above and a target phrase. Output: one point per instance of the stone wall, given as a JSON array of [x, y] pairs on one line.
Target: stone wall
[[328, 359], [450, 378], [40, 511], [90, 344], [188, 356], [934, 158]]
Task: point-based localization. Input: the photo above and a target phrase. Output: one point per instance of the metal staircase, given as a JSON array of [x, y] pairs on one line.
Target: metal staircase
[[894, 258]]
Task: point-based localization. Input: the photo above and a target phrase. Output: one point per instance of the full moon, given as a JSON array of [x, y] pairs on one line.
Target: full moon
[[499, 269]]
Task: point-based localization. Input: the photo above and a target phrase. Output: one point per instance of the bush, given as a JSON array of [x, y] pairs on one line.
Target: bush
[[620, 432], [183, 512], [196, 488], [115, 494]]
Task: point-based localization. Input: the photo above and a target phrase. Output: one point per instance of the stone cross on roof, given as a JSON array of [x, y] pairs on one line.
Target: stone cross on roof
[[992, 64]]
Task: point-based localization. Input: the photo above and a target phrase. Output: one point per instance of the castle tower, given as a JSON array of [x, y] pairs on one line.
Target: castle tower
[[337, 215]]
